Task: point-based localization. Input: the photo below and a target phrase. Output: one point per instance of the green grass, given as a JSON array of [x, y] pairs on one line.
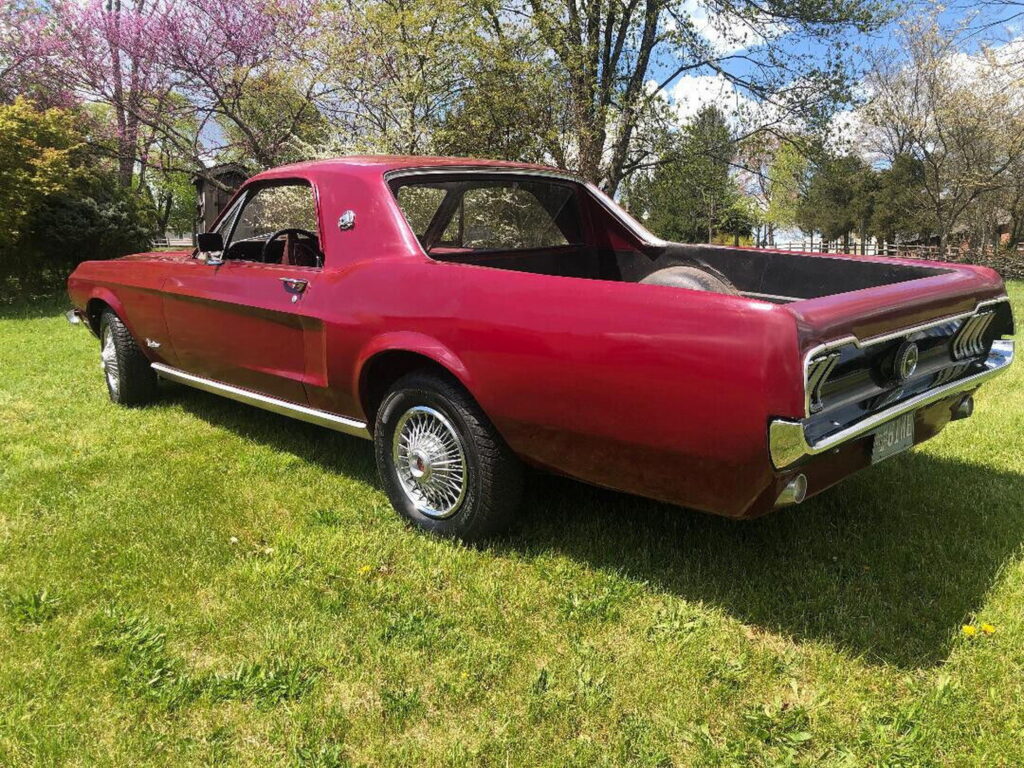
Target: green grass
[[198, 582]]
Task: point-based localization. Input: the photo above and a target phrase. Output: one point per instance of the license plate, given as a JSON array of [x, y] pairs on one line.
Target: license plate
[[893, 438]]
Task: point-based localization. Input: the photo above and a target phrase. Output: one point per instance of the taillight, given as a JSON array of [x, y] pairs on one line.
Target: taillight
[[818, 371], [970, 339]]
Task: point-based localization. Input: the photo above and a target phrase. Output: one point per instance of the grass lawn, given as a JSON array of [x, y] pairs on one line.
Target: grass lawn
[[201, 582]]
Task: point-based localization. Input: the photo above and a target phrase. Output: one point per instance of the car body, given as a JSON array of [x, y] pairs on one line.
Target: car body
[[547, 317]]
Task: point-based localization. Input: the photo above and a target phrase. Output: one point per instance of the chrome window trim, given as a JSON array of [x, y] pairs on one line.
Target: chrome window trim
[[267, 403], [779, 297], [843, 341], [787, 441]]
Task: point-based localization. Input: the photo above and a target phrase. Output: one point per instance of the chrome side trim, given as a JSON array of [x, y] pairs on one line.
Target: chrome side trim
[[842, 341], [272, 404], [770, 296], [787, 442]]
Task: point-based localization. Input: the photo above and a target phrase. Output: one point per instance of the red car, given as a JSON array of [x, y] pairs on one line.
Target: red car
[[472, 316]]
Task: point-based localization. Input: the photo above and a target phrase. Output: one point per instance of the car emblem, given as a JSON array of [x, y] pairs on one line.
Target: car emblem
[[906, 361]]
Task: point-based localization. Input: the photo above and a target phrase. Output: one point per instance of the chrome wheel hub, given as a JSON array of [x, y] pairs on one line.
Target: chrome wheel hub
[[108, 359], [430, 461]]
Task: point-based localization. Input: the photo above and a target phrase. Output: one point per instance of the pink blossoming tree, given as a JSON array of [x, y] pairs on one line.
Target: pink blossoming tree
[[184, 81]]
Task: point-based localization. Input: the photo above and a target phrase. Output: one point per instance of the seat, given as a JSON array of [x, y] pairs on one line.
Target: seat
[[298, 253]]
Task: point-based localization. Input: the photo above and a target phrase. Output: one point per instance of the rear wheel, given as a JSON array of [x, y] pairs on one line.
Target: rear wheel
[[130, 378], [443, 465]]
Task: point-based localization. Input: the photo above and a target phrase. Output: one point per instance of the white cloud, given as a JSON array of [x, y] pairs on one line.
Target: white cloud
[[689, 94], [726, 34]]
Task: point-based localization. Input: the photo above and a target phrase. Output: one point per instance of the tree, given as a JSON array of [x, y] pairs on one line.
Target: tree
[[199, 77], [174, 199], [616, 59], [24, 47], [774, 171], [897, 214], [959, 118], [691, 195], [60, 203], [838, 199], [581, 85], [41, 151], [511, 108]]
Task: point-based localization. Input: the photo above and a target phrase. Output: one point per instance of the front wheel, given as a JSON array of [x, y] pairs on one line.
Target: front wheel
[[130, 378], [444, 467]]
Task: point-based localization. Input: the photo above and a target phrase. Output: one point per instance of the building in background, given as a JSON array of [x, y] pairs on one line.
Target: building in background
[[210, 197]]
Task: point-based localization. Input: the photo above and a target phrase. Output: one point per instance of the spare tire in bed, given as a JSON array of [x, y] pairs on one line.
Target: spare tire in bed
[[694, 278]]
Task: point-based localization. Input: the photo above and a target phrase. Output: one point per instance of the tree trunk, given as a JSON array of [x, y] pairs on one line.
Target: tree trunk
[[164, 213]]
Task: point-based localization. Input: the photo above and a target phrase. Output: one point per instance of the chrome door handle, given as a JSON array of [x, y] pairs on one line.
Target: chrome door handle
[[294, 284]]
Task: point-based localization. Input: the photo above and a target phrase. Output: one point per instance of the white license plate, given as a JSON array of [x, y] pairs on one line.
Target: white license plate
[[892, 438]]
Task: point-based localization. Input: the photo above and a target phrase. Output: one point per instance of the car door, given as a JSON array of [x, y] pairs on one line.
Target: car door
[[244, 321]]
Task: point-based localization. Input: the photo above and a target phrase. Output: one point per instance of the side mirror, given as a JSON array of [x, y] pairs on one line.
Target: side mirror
[[211, 244]]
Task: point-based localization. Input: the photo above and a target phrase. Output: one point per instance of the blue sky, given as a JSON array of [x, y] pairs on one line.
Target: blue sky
[[989, 23]]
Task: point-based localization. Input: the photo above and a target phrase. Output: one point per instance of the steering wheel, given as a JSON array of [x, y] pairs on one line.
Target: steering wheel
[[291, 232]]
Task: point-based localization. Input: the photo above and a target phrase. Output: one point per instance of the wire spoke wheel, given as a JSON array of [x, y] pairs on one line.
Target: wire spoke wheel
[[108, 359], [430, 461]]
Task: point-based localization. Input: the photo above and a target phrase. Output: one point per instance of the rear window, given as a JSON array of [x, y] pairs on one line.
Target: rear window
[[491, 214]]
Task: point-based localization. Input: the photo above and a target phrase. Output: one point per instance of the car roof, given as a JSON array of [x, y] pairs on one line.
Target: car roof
[[381, 164]]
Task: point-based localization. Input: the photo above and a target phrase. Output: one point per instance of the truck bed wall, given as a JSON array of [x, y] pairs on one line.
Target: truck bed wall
[[794, 276], [780, 276]]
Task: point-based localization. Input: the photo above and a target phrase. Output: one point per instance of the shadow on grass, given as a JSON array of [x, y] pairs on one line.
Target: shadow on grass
[[328, 450], [887, 565]]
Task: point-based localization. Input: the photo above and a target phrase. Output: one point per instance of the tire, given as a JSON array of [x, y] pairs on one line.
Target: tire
[[130, 378], [444, 467], [693, 278]]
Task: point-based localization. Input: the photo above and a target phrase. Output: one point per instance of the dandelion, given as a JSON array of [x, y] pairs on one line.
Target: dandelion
[[969, 629], [988, 629], [364, 570]]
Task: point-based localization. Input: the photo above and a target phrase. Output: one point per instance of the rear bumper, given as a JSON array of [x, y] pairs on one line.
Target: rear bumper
[[788, 443]]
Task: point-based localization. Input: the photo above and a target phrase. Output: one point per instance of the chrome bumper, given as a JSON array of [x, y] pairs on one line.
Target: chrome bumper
[[787, 442]]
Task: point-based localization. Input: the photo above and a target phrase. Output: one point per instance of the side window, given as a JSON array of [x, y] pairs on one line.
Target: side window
[[509, 218], [277, 225], [226, 223], [491, 214], [419, 204], [272, 209]]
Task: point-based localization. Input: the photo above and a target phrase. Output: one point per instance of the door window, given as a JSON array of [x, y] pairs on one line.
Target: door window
[[277, 225]]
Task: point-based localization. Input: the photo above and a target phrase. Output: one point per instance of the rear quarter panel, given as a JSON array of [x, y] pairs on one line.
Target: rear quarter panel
[[657, 391], [884, 309]]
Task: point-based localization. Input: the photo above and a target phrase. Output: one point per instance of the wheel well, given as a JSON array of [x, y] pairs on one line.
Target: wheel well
[[382, 370], [94, 311]]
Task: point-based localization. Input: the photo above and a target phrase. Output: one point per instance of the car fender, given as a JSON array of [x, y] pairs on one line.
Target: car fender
[[416, 343], [104, 294]]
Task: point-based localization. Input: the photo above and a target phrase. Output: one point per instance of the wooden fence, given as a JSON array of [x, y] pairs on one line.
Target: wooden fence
[[1009, 263]]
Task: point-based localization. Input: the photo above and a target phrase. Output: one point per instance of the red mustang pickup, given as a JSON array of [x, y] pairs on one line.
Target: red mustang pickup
[[472, 316]]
